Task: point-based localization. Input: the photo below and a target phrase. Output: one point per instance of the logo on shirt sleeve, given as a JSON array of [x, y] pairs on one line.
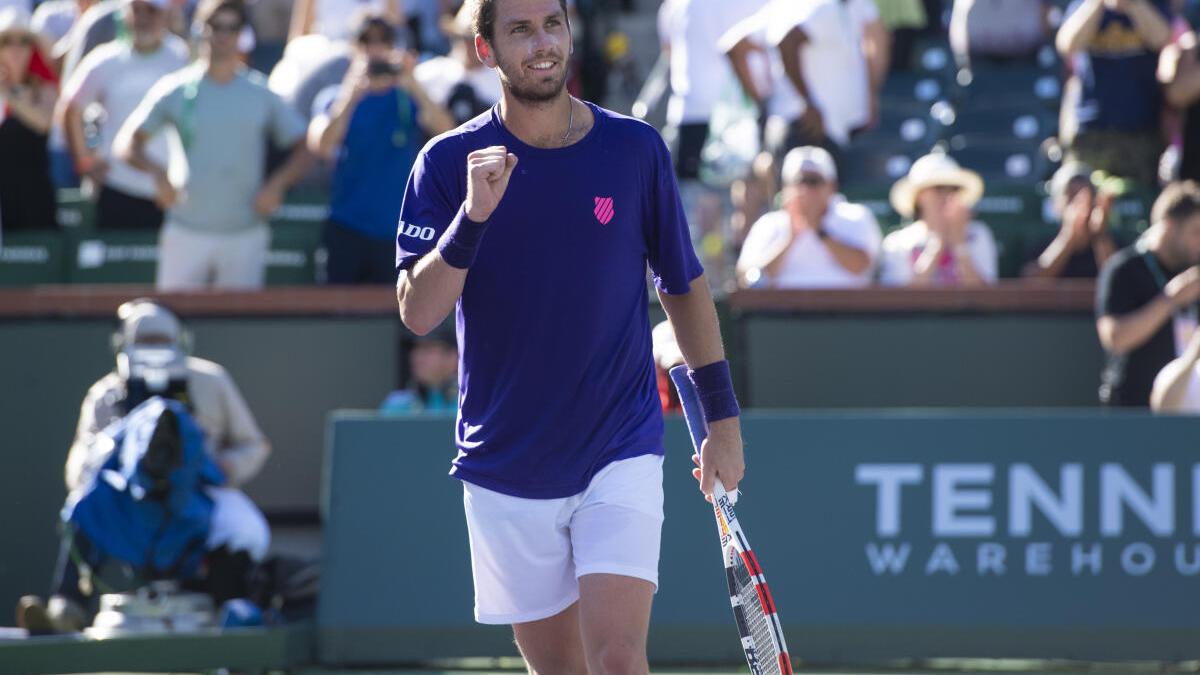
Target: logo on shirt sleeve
[[416, 231], [604, 210]]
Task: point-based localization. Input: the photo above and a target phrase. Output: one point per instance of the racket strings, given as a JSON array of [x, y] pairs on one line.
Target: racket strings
[[758, 624]]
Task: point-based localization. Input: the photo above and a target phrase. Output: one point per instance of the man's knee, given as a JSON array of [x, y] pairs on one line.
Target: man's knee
[[618, 657]]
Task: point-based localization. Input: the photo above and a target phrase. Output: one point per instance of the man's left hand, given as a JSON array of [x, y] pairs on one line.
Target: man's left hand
[[267, 200], [721, 456]]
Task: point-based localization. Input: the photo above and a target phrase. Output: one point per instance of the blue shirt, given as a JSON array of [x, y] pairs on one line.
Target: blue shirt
[[556, 378], [1120, 90], [377, 153]]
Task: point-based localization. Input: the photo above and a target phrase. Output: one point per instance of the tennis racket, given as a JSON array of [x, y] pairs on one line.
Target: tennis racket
[[753, 609]]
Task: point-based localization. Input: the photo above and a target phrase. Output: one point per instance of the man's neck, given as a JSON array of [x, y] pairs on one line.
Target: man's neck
[[542, 124], [147, 47], [222, 70]]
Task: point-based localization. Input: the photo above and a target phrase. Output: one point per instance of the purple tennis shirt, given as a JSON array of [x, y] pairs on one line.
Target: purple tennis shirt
[[556, 378]]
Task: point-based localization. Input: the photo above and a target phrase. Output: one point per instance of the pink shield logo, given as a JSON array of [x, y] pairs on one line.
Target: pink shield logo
[[604, 209]]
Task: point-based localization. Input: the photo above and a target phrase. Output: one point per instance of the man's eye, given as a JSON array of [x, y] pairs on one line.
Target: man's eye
[[519, 29], [553, 22]]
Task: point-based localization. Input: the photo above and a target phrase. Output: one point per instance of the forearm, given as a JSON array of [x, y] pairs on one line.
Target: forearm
[[297, 165], [878, 43], [1172, 384], [1051, 263], [1079, 28], [428, 292], [693, 317], [1103, 248], [1150, 25], [1184, 87], [433, 118], [73, 130], [243, 461], [793, 68], [738, 59], [330, 137], [1123, 334], [853, 260], [133, 152]]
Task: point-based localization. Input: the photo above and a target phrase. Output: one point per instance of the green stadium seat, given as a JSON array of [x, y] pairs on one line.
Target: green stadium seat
[[1008, 86], [905, 89], [1009, 163], [28, 258]]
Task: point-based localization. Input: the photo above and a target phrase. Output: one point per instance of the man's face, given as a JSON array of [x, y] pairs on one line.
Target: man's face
[[222, 32], [530, 46], [1185, 238], [433, 363], [147, 23], [376, 44], [811, 193]]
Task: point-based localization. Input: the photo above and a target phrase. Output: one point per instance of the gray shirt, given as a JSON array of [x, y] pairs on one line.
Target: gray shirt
[[223, 129]]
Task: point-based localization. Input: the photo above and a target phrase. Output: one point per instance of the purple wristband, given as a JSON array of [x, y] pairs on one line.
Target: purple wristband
[[714, 386], [460, 241]]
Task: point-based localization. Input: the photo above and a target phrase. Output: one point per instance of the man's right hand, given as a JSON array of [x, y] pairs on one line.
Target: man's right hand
[[1184, 289], [166, 195], [488, 171], [812, 123]]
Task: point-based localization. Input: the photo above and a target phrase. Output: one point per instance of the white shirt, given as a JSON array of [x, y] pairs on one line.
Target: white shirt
[[53, 20], [699, 71], [334, 18], [902, 248], [832, 60], [765, 66], [439, 75], [808, 262], [117, 78]]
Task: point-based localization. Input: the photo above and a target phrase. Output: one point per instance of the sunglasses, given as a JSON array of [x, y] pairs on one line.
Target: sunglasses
[[224, 27], [17, 40], [811, 181]]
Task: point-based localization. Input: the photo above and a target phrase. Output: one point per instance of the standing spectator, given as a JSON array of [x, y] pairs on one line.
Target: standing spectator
[[1084, 241], [944, 247], [1002, 29], [28, 90], [835, 54], [117, 76], [215, 232], [689, 31], [1177, 386], [1112, 104], [1179, 73], [335, 19], [459, 82], [373, 125], [1146, 298], [904, 20], [818, 239]]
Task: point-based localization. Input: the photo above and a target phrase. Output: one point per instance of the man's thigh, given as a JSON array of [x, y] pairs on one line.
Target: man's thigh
[[243, 260], [184, 259]]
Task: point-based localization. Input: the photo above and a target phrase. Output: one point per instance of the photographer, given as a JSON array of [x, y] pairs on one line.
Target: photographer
[[152, 361], [373, 124]]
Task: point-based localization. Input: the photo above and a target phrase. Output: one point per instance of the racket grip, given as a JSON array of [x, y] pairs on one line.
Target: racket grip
[[693, 414]]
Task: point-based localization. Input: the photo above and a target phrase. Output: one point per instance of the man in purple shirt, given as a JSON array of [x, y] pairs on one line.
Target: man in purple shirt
[[535, 222]]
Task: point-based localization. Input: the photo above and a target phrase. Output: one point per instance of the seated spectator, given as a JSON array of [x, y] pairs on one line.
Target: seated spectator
[[1177, 386], [335, 19], [373, 124], [28, 90], [944, 246], [116, 77], [1112, 104], [834, 54], [1084, 241], [216, 233], [459, 82], [1146, 298], [1179, 73], [998, 29], [152, 361], [818, 239], [432, 377]]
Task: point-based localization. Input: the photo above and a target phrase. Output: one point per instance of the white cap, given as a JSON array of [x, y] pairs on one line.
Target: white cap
[[932, 170], [811, 159], [148, 319]]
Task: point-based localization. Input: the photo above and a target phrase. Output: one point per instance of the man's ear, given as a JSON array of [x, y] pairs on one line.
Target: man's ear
[[484, 51]]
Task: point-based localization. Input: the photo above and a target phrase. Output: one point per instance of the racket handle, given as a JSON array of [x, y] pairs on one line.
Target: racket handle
[[690, 400]]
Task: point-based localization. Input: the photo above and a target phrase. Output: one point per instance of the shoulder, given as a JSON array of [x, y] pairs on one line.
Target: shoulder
[[1121, 262], [905, 238], [177, 47], [172, 83], [255, 80], [853, 213], [205, 369], [473, 134], [768, 223], [619, 129], [106, 385]]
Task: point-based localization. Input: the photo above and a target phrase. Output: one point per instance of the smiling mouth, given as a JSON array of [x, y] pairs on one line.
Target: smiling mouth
[[542, 66]]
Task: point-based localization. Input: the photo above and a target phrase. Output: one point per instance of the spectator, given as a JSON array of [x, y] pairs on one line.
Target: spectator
[[372, 124], [1146, 298], [998, 29], [904, 20], [689, 31], [215, 232], [818, 239], [834, 53], [433, 375], [944, 247], [1084, 241], [152, 361], [1179, 73], [335, 19], [1112, 104], [28, 89], [117, 76], [459, 82], [1177, 386], [54, 19]]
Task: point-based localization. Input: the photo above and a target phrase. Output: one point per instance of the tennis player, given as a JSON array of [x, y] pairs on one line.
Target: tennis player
[[537, 220]]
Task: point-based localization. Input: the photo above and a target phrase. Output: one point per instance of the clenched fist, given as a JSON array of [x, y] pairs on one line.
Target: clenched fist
[[488, 171]]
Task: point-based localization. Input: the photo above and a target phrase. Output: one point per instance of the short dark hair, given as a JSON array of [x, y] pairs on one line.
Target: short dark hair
[[483, 17], [1178, 202], [209, 8]]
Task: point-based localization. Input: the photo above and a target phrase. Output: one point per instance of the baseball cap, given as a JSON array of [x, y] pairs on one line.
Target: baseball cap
[[147, 319], [808, 158]]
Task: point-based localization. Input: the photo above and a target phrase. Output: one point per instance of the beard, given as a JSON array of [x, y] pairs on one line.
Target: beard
[[531, 89]]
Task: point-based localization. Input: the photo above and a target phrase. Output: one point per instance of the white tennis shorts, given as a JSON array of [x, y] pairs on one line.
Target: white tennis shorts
[[527, 554]]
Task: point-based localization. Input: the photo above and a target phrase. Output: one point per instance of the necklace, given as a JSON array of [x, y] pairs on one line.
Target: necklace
[[570, 120]]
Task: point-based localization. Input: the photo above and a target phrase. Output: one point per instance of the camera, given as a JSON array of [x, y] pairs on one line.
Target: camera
[[381, 68]]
